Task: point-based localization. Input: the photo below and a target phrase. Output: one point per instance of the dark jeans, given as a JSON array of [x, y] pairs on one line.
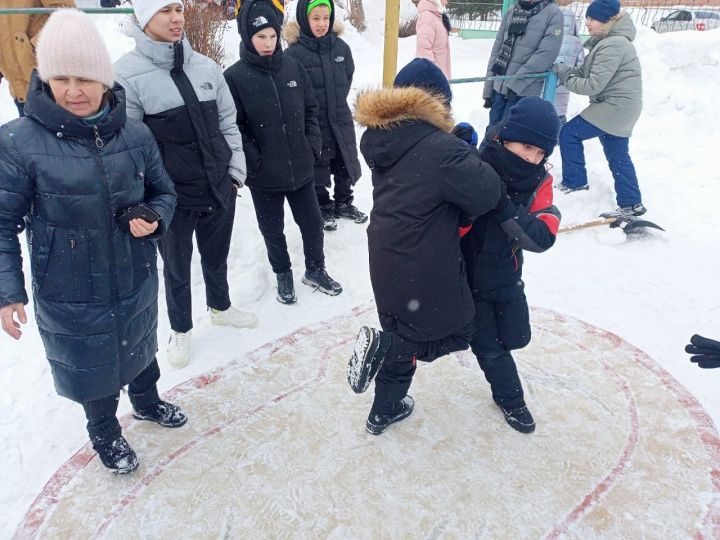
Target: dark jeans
[[617, 154], [270, 213], [103, 426], [393, 380], [20, 107], [213, 231], [343, 192]]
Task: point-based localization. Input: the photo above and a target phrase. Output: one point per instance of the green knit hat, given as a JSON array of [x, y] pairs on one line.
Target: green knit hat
[[312, 4]]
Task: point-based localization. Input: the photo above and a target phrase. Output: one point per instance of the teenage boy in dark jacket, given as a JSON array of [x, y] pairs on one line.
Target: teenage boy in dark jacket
[[314, 40], [277, 117], [424, 178], [525, 219]]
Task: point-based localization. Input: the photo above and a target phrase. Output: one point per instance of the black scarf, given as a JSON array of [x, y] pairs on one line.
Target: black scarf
[[521, 177], [516, 27]]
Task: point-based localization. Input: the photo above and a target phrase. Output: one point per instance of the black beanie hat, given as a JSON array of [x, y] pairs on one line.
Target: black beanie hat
[[256, 15], [422, 73], [533, 121]]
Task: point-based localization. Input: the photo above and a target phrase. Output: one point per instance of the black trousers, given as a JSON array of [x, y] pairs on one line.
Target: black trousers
[[102, 423], [393, 380], [343, 192], [496, 361], [270, 212], [213, 231]]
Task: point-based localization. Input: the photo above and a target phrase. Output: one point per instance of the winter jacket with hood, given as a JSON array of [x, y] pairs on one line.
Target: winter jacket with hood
[[572, 54], [95, 287], [277, 116], [494, 245], [611, 76], [433, 41], [423, 179], [197, 135], [18, 36], [329, 62], [533, 52]]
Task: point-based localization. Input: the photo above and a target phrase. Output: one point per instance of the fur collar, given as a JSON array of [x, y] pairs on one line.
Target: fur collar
[[387, 107], [291, 31]]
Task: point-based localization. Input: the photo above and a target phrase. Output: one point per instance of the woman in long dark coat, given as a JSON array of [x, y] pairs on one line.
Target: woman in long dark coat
[[67, 172]]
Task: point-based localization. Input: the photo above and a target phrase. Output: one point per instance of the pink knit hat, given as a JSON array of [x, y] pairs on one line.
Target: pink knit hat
[[70, 46]]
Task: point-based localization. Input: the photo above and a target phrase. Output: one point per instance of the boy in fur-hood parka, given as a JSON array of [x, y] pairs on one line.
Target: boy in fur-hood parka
[[424, 179], [315, 42]]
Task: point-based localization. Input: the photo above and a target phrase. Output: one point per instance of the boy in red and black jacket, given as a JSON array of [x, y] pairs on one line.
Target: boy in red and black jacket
[[524, 219]]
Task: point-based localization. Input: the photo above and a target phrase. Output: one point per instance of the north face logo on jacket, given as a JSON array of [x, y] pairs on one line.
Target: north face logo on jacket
[[206, 86], [339, 59], [292, 84]]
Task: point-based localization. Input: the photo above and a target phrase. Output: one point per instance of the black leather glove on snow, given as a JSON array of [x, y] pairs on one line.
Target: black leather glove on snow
[[705, 352], [487, 104]]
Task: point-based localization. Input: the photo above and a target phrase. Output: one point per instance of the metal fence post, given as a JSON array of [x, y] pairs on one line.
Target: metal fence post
[[551, 80]]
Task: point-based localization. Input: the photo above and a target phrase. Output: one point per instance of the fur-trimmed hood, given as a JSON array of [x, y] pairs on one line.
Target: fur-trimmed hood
[[291, 31], [387, 107]]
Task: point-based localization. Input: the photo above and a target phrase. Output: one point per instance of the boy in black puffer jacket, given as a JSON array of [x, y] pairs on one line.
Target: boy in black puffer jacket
[[314, 40], [277, 117], [524, 219]]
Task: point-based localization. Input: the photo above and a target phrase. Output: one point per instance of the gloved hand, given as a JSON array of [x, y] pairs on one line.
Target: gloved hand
[[466, 132], [504, 209], [561, 70], [510, 95], [706, 352], [487, 104]]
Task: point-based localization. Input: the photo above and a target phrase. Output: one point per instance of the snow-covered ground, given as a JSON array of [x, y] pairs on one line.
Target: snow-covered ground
[[654, 291]]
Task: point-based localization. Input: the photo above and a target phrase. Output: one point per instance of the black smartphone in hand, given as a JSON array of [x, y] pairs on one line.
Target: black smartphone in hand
[[141, 211]]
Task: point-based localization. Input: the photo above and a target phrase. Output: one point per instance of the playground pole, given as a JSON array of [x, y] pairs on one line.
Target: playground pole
[[392, 32]]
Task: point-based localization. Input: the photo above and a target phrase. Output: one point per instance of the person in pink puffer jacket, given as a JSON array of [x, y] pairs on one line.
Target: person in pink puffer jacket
[[433, 29]]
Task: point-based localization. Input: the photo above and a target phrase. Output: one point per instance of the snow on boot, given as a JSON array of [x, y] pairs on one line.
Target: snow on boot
[[389, 413], [635, 210], [320, 280], [348, 211], [163, 413], [328, 217], [519, 419], [234, 317], [564, 188], [367, 357], [179, 351], [117, 456], [285, 288]]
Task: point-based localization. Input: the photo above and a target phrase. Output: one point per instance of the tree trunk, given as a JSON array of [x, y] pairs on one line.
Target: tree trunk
[[357, 14]]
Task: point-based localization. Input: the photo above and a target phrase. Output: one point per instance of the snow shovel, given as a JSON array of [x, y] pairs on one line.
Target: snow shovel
[[629, 224]]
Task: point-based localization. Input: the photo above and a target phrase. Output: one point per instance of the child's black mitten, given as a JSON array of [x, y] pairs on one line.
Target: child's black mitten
[[706, 352]]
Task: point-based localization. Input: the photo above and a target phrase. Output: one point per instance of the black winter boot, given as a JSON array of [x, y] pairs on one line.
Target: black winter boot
[[285, 288], [116, 455], [367, 357], [328, 217], [382, 416], [348, 211], [519, 419], [320, 280], [163, 413]]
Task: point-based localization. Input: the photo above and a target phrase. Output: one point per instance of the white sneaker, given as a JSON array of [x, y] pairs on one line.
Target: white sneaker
[[179, 351], [233, 317]]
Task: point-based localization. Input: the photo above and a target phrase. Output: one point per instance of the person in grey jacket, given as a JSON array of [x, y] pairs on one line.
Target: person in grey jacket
[[67, 173], [611, 76], [572, 54], [183, 98], [528, 41]]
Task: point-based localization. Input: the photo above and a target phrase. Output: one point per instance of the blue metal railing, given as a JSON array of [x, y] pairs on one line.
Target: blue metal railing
[[551, 81]]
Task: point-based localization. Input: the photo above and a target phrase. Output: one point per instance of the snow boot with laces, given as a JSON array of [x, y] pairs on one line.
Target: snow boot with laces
[[162, 413]]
